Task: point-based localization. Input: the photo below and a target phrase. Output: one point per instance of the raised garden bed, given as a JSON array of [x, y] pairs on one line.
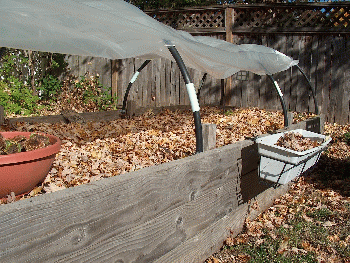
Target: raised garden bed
[[156, 214], [94, 150]]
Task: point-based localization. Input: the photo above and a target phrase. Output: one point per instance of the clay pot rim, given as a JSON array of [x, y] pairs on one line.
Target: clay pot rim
[[30, 155]]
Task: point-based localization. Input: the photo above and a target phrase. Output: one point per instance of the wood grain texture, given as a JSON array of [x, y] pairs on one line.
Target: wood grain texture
[[209, 136], [2, 114], [88, 116], [135, 217]]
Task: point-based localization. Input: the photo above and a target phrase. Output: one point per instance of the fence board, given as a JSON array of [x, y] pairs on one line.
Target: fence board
[[278, 43], [346, 95], [294, 73], [313, 71], [174, 90], [304, 56], [338, 109], [156, 71], [327, 77]]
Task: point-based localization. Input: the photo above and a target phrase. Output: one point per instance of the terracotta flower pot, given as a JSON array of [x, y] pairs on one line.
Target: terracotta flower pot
[[21, 172]]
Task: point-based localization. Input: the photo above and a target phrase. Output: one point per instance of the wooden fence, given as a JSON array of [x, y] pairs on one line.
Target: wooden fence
[[180, 211], [315, 34]]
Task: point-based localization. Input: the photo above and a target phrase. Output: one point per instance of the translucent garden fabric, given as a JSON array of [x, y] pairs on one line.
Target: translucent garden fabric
[[115, 29]]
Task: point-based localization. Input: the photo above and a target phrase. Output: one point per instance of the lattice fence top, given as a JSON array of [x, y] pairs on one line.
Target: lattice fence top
[[196, 20], [293, 18], [260, 18]]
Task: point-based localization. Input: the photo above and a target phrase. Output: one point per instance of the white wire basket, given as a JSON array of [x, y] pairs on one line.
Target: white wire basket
[[282, 165]]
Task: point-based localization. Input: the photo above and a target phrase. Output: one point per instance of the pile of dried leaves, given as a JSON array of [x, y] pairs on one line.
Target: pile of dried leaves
[[311, 223], [96, 150], [296, 142]]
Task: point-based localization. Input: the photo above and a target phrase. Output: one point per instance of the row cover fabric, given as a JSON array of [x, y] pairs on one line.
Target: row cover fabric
[[115, 29]]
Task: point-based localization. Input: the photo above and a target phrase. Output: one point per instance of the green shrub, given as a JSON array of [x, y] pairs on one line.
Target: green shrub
[[50, 88], [347, 137], [95, 93], [17, 98]]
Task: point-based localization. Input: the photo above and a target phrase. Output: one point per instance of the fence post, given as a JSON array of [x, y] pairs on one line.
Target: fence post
[[290, 116], [116, 65], [2, 115], [229, 19], [131, 108], [209, 136]]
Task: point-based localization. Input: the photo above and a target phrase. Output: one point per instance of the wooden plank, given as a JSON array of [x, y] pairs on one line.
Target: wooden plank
[[283, 77], [235, 93], [262, 82], [212, 92], [229, 21], [209, 136], [346, 95], [136, 92], [103, 68], [245, 93], [321, 49], [197, 77], [88, 116], [157, 75], [173, 88], [339, 66], [193, 30], [290, 30], [294, 73], [121, 67], [217, 92], [327, 77], [253, 82], [163, 81], [167, 86], [73, 62], [114, 77], [273, 102], [195, 250], [151, 85], [145, 84], [135, 217], [183, 87], [313, 72], [2, 114], [302, 88], [82, 66]]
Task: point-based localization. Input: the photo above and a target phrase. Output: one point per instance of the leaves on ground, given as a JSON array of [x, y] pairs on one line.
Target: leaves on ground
[[311, 223]]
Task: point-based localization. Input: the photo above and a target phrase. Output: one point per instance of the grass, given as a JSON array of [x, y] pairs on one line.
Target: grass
[[311, 223], [302, 237]]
